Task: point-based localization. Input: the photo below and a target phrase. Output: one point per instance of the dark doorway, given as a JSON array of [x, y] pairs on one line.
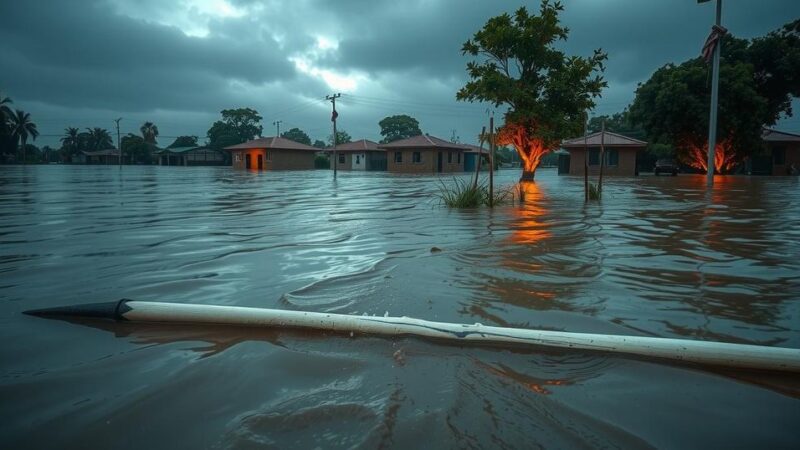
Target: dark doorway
[[260, 162], [248, 163], [439, 163]]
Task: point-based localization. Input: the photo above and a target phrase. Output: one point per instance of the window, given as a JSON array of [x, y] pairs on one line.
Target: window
[[612, 157], [449, 157], [778, 156], [237, 157], [458, 156], [269, 155], [341, 158], [594, 157], [416, 157], [358, 159], [398, 157]]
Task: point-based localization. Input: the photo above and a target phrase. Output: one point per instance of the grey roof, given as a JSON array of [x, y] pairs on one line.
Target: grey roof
[[105, 152], [360, 145], [274, 143], [771, 135], [182, 149], [423, 141], [607, 137]]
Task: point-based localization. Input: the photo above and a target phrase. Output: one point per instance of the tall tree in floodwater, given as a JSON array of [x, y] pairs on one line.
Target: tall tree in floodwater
[[149, 132], [97, 139], [21, 128], [70, 143], [547, 93]]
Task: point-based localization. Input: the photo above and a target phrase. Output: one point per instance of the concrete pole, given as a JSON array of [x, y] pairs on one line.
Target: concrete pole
[[712, 123]]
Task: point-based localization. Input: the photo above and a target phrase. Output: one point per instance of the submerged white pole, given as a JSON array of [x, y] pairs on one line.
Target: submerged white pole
[[701, 352]]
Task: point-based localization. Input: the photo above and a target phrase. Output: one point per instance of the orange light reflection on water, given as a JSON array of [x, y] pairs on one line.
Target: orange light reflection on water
[[528, 226]]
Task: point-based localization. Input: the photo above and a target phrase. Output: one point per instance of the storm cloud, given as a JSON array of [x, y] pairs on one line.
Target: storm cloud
[[85, 62]]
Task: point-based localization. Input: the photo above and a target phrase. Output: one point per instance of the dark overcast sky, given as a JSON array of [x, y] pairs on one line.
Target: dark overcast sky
[[178, 63]]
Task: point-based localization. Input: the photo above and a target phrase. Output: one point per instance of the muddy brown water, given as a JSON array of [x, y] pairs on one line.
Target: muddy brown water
[[658, 257]]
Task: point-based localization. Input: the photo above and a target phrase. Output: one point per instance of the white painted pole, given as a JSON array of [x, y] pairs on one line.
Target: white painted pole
[[712, 123], [700, 352]]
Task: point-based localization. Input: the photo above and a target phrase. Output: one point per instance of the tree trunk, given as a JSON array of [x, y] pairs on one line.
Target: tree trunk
[[528, 175], [24, 160]]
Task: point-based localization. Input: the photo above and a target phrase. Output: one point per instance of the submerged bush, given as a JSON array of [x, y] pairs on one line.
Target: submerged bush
[[594, 192]]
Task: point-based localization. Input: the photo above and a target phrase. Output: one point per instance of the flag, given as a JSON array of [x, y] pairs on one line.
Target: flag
[[334, 116], [711, 42]]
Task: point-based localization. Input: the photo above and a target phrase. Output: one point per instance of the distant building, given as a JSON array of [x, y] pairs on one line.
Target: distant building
[[471, 156], [620, 154], [781, 151], [424, 154], [272, 153], [105, 157], [359, 155], [189, 156]]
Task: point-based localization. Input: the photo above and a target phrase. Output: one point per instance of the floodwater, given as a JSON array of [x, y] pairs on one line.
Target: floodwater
[[658, 257]]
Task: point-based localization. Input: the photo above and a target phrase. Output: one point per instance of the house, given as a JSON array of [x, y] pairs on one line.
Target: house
[[471, 155], [780, 154], [424, 154], [107, 156], [272, 153], [359, 155], [189, 156], [620, 154]]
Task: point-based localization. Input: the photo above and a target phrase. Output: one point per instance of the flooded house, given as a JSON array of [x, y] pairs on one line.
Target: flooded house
[[424, 154], [471, 156], [102, 157], [780, 155], [359, 155], [190, 156], [272, 153], [620, 154]]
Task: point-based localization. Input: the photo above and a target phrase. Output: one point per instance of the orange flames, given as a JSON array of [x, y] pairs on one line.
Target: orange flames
[[724, 157], [529, 147]]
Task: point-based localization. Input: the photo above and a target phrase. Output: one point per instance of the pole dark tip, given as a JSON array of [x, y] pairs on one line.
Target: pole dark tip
[[105, 310]]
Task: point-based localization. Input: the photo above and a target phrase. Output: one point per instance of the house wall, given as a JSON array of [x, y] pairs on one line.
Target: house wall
[[429, 163], [625, 168], [274, 159], [347, 164], [791, 151], [370, 160]]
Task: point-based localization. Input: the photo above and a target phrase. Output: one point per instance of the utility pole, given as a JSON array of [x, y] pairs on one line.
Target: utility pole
[[119, 147], [602, 158], [586, 159], [278, 123], [491, 161], [334, 115], [712, 123]]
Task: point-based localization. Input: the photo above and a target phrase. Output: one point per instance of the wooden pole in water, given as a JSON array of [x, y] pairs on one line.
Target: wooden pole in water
[[586, 159], [491, 161], [602, 158], [683, 350], [480, 158]]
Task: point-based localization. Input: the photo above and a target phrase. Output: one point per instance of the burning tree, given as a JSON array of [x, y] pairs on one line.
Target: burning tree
[[758, 79], [546, 92]]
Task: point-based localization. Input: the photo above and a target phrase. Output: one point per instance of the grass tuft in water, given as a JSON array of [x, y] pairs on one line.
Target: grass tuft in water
[[594, 193], [463, 194]]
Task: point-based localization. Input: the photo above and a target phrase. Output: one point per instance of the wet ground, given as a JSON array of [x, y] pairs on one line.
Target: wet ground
[[658, 257]]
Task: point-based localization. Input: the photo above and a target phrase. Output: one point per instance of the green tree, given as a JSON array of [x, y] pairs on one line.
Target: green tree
[[319, 144], [7, 144], [70, 143], [149, 132], [297, 135], [237, 126], [184, 141], [96, 139], [22, 128], [546, 92], [394, 128], [757, 81], [5, 110], [136, 149], [341, 138]]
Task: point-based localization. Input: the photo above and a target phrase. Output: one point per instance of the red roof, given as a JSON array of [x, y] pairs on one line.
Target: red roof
[[274, 143], [608, 138], [423, 141], [357, 146]]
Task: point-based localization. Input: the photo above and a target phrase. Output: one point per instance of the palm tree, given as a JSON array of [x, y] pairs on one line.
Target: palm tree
[[5, 111], [69, 143], [99, 139], [22, 127], [149, 132]]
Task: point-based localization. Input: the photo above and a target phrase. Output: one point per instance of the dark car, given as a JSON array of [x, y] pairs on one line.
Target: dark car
[[666, 166]]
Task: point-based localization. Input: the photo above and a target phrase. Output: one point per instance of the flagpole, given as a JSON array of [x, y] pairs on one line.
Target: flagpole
[[712, 123]]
